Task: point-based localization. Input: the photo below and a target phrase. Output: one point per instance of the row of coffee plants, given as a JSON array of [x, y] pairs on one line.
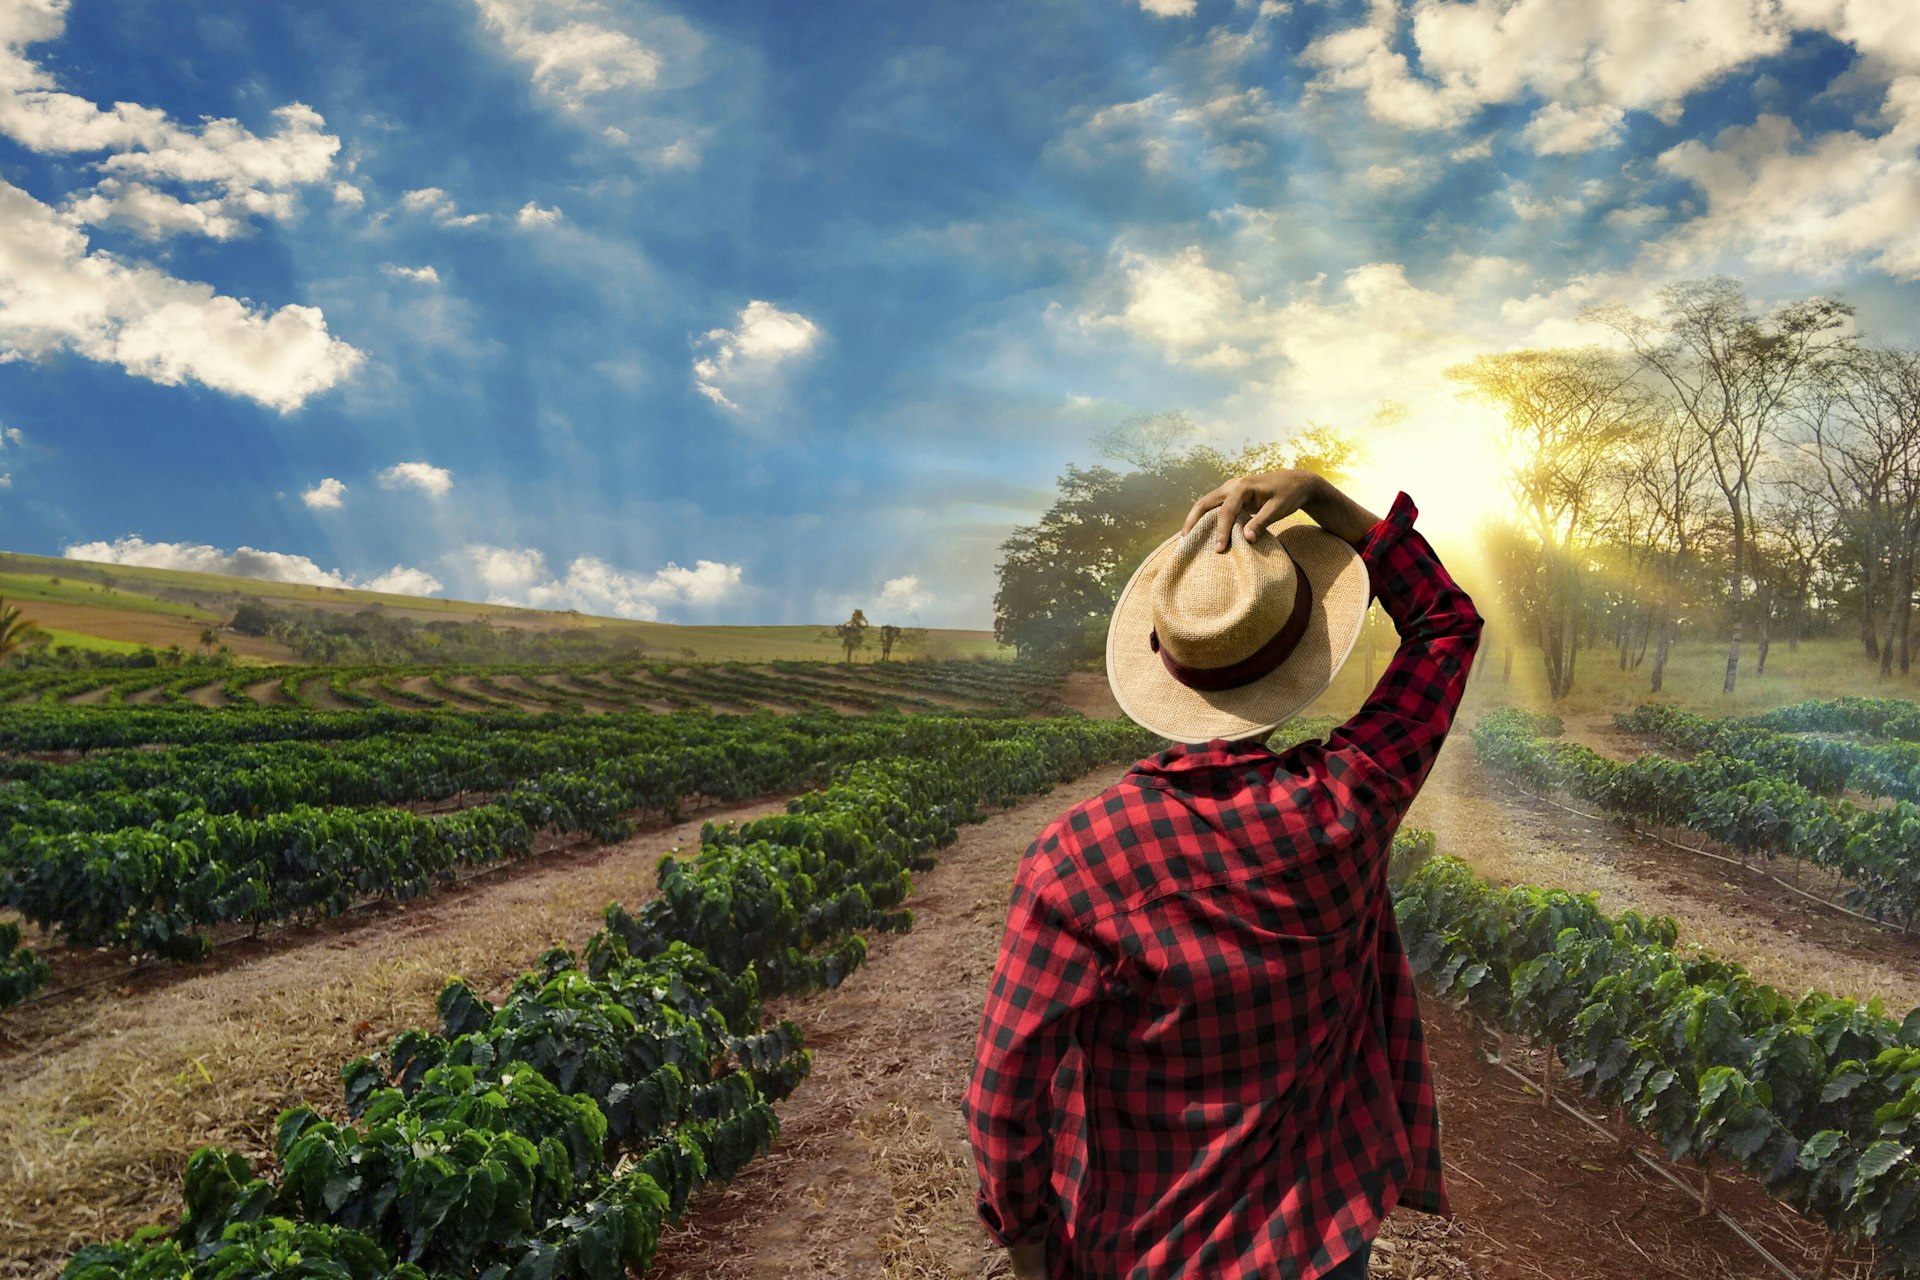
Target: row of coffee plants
[[1823, 765], [157, 888], [552, 1137], [1817, 1098], [1726, 798], [1888, 718], [891, 686]]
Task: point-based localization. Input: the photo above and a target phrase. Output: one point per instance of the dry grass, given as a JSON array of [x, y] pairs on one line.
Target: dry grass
[[101, 1116], [931, 1187]]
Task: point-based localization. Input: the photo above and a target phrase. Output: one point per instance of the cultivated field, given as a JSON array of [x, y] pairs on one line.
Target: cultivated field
[[345, 934]]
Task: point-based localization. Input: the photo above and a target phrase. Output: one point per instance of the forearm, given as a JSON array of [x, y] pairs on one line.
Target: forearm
[[1338, 514]]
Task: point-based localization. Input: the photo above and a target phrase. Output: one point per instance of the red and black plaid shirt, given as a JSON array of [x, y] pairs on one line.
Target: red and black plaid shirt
[[1201, 1054]]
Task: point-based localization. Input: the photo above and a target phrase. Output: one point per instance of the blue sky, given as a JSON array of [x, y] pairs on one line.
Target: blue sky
[[756, 312]]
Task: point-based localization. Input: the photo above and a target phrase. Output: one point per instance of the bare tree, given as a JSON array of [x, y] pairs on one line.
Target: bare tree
[[1862, 439], [1145, 439], [1731, 375], [1565, 416]]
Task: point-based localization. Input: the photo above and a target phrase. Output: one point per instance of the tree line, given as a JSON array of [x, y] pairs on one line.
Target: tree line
[[1721, 470]]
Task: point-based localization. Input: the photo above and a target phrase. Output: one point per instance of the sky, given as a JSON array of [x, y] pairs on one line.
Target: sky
[[759, 312]]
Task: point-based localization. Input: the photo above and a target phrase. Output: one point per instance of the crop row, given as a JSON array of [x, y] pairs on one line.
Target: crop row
[[1890, 718], [552, 1137], [1818, 1098], [157, 888], [1822, 765], [1729, 799]]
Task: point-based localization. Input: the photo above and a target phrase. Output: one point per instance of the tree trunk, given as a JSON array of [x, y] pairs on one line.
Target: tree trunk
[[1766, 630], [1906, 611], [1646, 631], [1661, 645], [1868, 639], [1506, 668], [1893, 624], [1739, 569]]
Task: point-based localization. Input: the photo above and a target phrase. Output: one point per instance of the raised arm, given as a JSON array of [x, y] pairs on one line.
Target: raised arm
[[1390, 744]]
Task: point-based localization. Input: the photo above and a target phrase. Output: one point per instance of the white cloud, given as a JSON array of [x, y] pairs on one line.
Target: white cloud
[[1557, 129], [1168, 8], [741, 363], [532, 215], [1529, 207], [1177, 302], [440, 206], [325, 496], [1216, 126], [150, 213], [1777, 200], [401, 580], [349, 195], [1636, 55], [1476, 150], [572, 54], [520, 576], [236, 172], [904, 594], [6, 480], [419, 275], [424, 476], [56, 294], [246, 562]]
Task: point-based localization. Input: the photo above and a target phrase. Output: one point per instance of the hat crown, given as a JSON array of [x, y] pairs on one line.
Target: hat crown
[[1210, 608]]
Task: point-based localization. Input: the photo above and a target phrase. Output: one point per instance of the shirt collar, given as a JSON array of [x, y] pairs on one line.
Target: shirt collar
[[1183, 757]]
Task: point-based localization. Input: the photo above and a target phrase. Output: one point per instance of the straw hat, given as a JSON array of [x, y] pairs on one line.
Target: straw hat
[[1227, 644]]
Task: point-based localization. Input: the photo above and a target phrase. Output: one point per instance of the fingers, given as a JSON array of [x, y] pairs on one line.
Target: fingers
[[1236, 501], [1270, 510], [1206, 501]]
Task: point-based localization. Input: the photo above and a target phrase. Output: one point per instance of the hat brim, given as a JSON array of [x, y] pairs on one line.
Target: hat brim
[[1152, 698]]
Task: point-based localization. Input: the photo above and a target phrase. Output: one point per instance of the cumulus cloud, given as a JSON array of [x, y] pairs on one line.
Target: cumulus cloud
[[519, 575], [1168, 8], [57, 294], [1216, 126], [1557, 129], [424, 476], [532, 215], [437, 204], [1634, 55], [325, 496], [402, 580], [571, 50], [904, 594], [419, 275], [741, 363], [345, 193], [1845, 197], [233, 172], [246, 562]]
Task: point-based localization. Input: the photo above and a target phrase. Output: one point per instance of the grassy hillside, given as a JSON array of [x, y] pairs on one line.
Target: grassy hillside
[[114, 605]]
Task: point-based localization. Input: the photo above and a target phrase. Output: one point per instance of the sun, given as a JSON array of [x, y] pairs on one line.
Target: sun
[[1445, 459]]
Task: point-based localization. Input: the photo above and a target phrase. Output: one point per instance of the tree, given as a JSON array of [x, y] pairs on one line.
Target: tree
[[1731, 375], [16, 632], [888, 634], [1565, 419], [209, 639], [852, 633]]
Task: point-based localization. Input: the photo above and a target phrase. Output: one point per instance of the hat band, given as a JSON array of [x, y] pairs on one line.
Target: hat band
[[1256, 664]]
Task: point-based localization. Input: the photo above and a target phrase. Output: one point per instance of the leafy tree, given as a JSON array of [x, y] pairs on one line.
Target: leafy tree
[[1059, 577], [852, 633], [209, 639], [251, 618], [888, 634]]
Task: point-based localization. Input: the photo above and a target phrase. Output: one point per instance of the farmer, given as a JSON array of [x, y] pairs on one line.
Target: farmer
[[1201, 1055]]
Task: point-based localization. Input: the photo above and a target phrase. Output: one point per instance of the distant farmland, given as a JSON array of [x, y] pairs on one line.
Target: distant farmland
[[130, 605]]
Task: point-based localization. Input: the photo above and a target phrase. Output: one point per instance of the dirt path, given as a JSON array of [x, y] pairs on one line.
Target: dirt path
[[872, 1173], [1783, 939], [100, 1117], [268, 693]]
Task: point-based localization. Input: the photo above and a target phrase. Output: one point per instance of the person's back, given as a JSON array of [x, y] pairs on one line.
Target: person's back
[[1201, 1051]]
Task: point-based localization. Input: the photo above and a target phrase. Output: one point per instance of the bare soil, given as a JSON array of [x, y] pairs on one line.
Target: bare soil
[[319, 691], [267, 693], [1783, 939], [208, 695], [487, 698]]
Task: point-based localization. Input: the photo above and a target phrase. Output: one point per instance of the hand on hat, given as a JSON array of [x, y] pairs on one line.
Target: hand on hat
[[1275, 495]]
